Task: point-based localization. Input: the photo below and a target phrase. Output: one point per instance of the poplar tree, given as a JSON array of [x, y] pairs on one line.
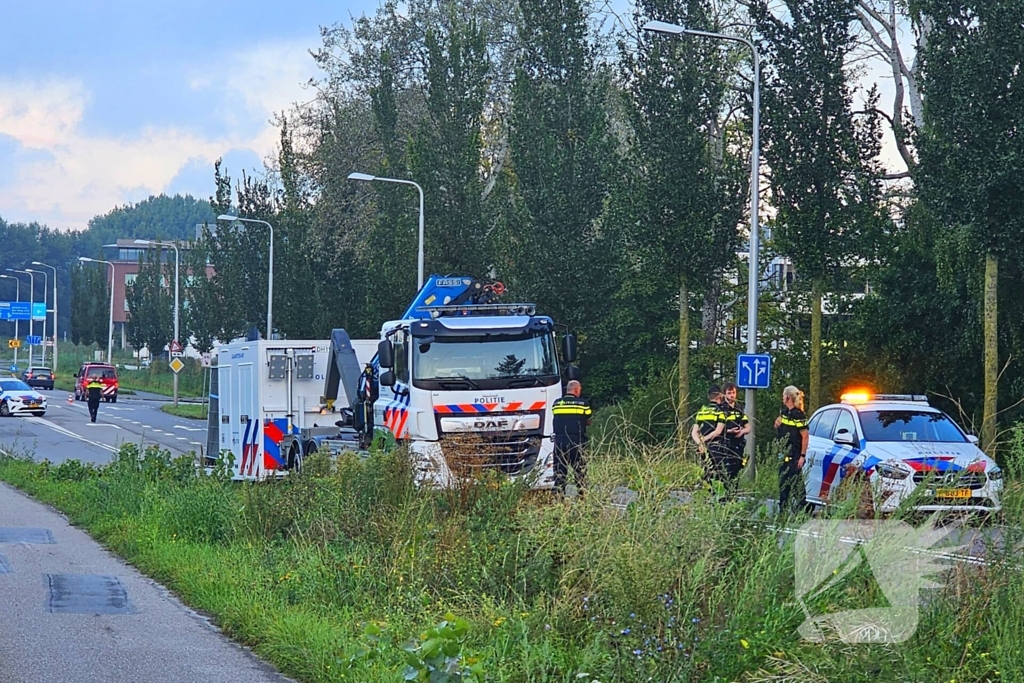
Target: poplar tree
[[820, 150]]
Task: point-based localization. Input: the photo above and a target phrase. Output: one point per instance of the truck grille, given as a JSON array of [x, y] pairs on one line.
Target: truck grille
[[960, 480], [513, 453]]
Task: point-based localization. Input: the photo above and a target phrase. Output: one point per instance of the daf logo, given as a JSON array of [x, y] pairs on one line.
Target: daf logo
[[500, 423]]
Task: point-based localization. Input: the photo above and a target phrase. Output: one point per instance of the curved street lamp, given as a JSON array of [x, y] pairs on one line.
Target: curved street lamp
[[55, 338], [369, 178], [110, 331]]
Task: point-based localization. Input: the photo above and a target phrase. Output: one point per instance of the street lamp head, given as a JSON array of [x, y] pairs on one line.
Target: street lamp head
[[361, 176], [37, 263], [86, 259], [663, 27], [227, 217]]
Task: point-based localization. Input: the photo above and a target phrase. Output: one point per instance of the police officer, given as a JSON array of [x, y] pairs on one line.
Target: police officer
[[707, 433], [94, 390], [737, 426], [791, 425], [572, 416]]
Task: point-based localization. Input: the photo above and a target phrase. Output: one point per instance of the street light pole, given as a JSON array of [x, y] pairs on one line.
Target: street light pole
[[419, 255], [177, 270], [270, 275], [55, 355], [31, 304], [17, 298], [46, 289], [753, 258], [110, 331]]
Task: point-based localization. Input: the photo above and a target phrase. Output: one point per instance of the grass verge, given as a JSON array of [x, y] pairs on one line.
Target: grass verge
[[194, 411], [348, 572]]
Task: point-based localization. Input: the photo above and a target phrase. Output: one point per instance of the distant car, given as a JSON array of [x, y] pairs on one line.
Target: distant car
[[38, 377], [18, 398], [105, 373], [904, 446]]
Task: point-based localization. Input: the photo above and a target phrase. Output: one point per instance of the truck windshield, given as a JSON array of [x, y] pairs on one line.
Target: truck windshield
[[478, 362], [909, 425]]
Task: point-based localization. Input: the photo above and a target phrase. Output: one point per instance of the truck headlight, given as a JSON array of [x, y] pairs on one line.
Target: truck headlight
[[891, 471]]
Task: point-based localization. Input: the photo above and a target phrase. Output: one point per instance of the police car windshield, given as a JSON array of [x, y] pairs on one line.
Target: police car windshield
[[489, 362], [14, 385], [909, 425]]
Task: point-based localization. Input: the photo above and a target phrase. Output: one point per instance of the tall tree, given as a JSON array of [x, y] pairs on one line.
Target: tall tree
[[684, 206], [972, 149], [561, 153], [445, 152], [821, 153], [151, 305]]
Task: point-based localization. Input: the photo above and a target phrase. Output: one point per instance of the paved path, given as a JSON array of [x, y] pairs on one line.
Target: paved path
[[71, 612]]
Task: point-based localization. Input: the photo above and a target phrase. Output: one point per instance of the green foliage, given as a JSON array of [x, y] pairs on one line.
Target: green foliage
[[150, 302]]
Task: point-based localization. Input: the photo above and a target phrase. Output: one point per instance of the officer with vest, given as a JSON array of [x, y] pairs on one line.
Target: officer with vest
[[791, 425], [737, 426], [708, 433], [572, 416], [94, 390]]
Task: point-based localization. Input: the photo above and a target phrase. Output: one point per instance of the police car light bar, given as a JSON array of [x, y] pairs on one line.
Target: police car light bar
[[498, 309], [865, 396]]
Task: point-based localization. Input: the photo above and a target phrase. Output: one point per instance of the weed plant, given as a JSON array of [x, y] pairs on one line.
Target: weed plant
[[349, 572]]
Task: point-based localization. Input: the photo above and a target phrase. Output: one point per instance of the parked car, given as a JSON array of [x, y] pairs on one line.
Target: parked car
[[18, 398], [105, 373], [905, 448], [38, 377]]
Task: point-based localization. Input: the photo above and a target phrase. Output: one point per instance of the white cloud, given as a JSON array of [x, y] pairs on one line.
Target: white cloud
[[70, 175]]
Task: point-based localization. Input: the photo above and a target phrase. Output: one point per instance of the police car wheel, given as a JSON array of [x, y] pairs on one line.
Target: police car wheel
[[4, 410]]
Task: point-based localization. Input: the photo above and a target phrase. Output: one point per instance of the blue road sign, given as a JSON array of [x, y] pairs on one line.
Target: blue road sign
[[39, 311], [20, 310], [5, 310], [14, 368], [753, 370], [33, 340]]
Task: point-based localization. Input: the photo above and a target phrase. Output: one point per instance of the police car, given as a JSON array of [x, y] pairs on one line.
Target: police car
[[904, 446], [18, 398]]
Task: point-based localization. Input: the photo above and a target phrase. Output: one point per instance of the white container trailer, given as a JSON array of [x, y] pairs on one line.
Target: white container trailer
[[265, 403]]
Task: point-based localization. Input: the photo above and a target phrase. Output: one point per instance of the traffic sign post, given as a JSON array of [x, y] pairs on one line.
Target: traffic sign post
[[176, 347], [176, 365], [34, 340], [753, 370], [14, 343]]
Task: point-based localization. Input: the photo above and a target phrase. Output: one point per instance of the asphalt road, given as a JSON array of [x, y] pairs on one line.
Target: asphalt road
[[65, 432], [74, 613]]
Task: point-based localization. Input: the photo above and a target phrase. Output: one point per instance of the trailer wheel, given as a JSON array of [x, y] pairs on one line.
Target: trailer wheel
[[295, 457], [309, 448]]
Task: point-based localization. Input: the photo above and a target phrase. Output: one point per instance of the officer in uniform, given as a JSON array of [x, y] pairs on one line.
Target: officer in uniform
[[94, 391], [572, 416], [737, 426], [707, 433], [791, 425]]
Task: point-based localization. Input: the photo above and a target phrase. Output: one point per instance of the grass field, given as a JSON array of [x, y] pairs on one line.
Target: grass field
[[348, 572], [195, 411]]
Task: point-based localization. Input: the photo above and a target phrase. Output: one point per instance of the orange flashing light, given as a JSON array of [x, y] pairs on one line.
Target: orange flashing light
[[856, 396]]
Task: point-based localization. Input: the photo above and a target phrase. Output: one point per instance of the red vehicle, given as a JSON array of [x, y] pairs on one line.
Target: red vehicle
[[105, 373]]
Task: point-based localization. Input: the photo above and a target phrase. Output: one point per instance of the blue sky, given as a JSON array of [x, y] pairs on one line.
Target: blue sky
[[104, 102]]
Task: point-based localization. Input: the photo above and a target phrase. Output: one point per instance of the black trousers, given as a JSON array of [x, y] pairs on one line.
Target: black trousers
[[94, 406], [792, 494], [722, 464], [569, 455]]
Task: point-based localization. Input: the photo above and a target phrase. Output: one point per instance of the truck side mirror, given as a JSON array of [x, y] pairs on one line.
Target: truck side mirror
[[387, 379], [574, 372], [386, 354], [569, 348]]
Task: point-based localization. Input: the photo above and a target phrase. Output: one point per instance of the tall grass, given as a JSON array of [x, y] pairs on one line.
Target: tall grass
[[331, 572]]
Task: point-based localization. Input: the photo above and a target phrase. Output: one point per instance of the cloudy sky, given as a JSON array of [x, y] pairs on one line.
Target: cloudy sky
[[105, 102]]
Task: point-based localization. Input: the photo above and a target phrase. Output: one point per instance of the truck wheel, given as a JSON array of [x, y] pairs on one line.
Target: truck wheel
[[114, 399]]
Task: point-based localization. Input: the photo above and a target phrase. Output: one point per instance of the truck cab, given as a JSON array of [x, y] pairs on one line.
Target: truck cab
[[468, 387]]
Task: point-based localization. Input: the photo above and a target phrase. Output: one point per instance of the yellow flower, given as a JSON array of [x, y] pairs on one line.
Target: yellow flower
[[499, 621], [744, 643]]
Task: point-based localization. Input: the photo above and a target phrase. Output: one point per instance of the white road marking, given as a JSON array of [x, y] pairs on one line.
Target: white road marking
[[182, 438], [136, 422], [101, 424], [60, 430], [189, 429]]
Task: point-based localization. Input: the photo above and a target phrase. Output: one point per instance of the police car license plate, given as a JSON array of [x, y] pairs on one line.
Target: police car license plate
[[953, 493]]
